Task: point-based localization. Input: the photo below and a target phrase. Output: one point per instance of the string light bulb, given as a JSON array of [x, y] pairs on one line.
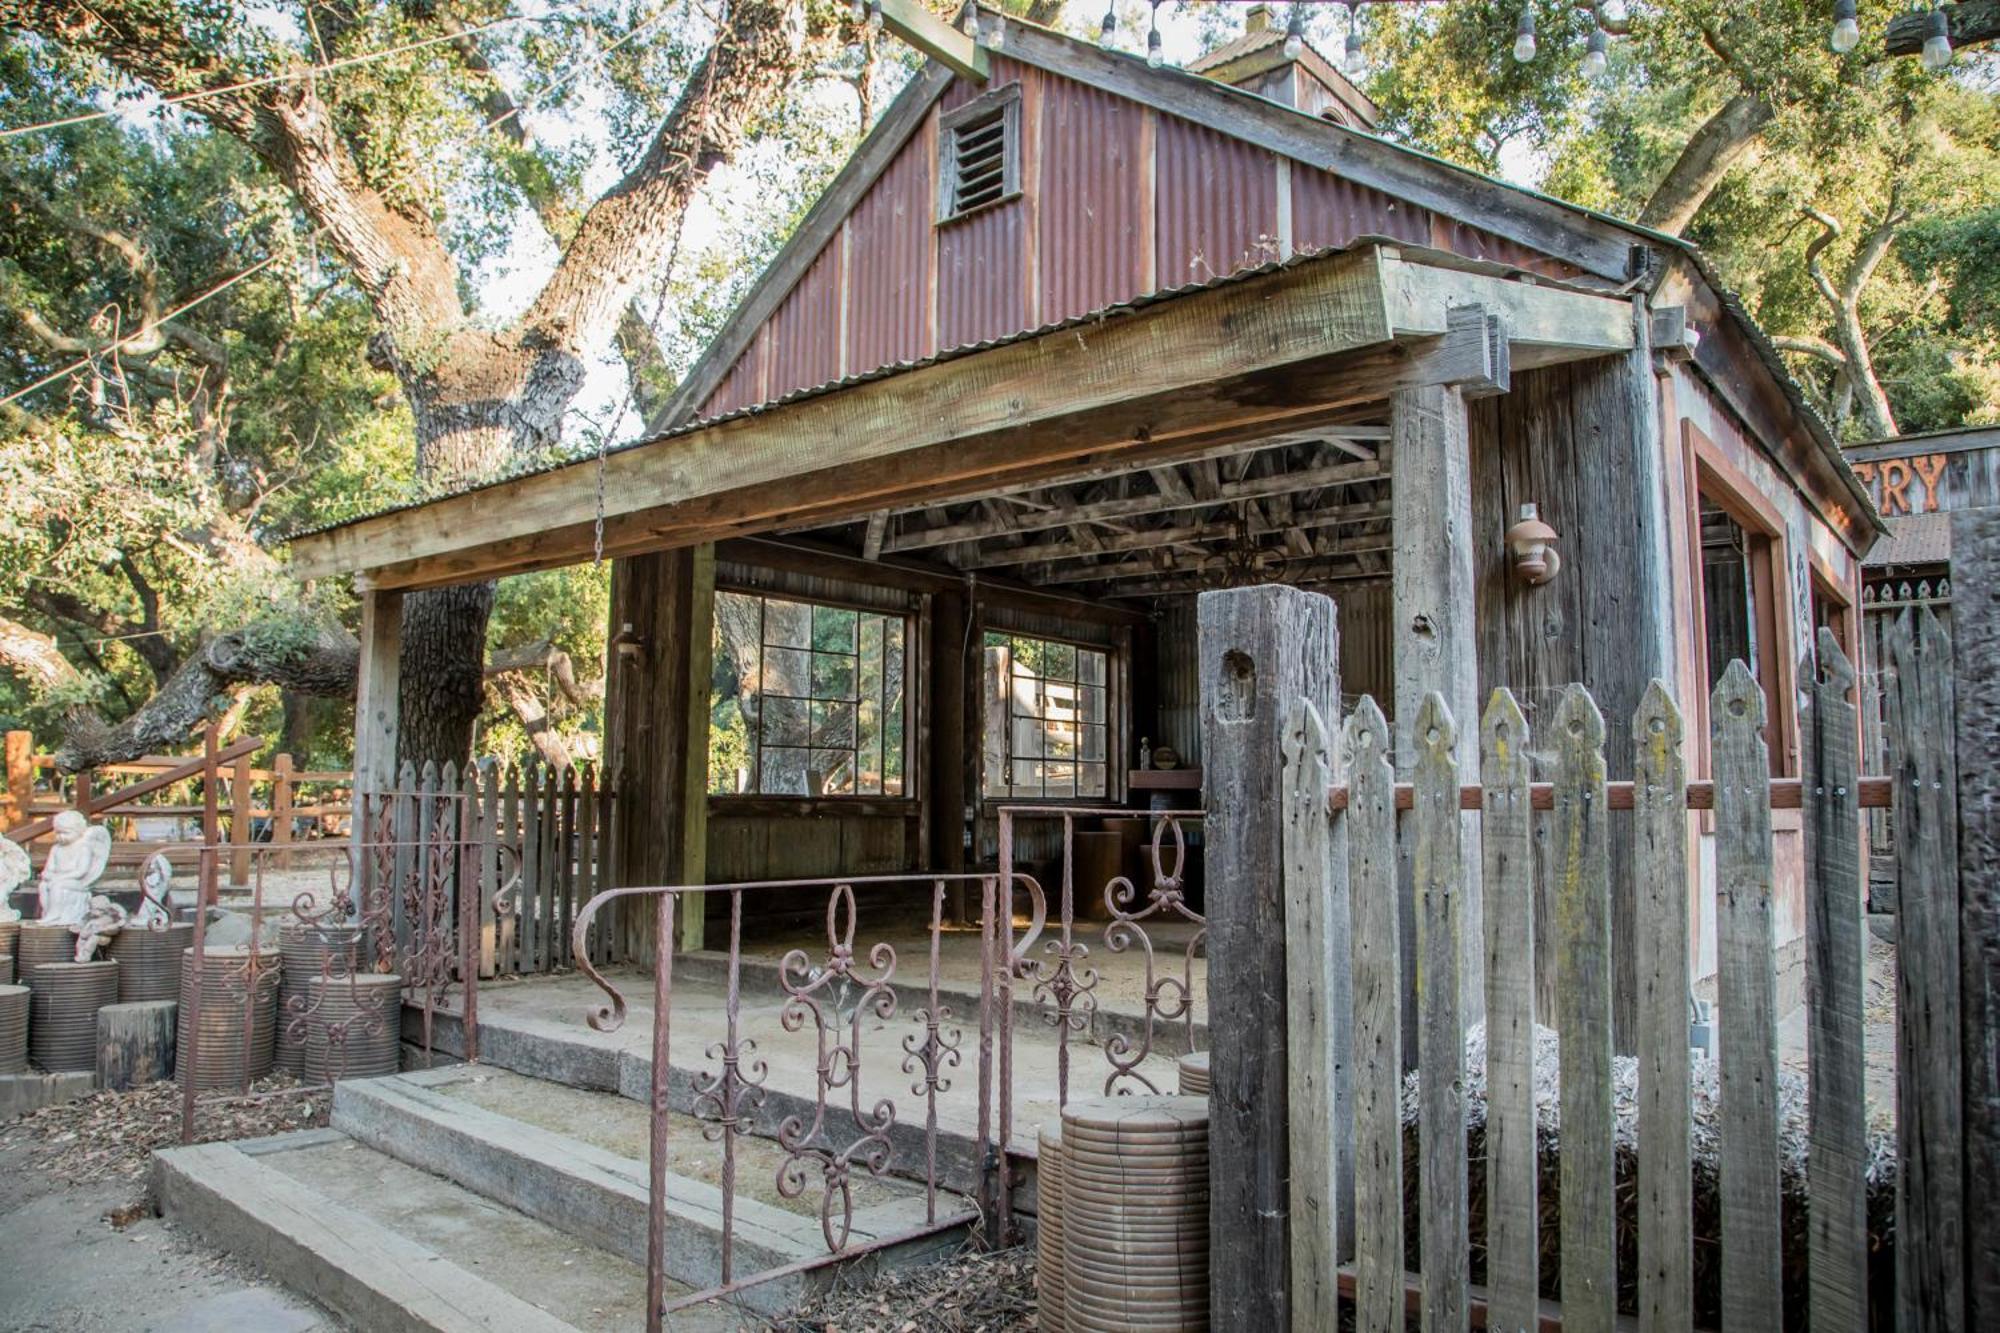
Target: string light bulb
[[971, 24], [996, 32], [1524, 35], [1107, 31], [1846, 31], [1295, 31], [1155, 50], [1937, 41], [1595, 60], [1353, 61], [874, 18], [1612, 14]]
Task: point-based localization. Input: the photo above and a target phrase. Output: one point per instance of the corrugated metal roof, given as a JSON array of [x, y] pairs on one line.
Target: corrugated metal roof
[[1915, 539]]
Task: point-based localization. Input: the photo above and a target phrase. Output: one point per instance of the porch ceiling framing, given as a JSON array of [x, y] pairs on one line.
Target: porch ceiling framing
[[1172, 378]]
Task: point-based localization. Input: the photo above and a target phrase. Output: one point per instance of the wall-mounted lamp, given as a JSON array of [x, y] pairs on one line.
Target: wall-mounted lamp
[[628, 643], [1530, 543]]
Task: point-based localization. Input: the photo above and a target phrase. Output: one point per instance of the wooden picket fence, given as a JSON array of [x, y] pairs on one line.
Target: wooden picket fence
[[1341, 857], [537, 838]]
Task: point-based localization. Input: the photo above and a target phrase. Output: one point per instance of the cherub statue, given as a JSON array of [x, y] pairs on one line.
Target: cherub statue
[[15, 870], [157, 903], [76, 862], [105, 919]]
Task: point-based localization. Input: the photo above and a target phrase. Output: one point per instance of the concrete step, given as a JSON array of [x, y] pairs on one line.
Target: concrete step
[[390, 1248], [575, 1160]]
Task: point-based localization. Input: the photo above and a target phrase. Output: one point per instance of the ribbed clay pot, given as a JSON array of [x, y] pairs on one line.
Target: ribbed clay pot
[[62, 1017], [14, 1004], [1135, 1214], [215, 1057], [149, 962], [306, 950], [353, 1028], [1194, 1074]]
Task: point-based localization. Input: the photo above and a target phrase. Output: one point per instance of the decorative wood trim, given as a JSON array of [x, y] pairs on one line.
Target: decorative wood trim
[[904, 116]]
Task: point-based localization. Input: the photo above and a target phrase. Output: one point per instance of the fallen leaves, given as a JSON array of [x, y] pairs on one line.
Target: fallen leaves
[[977, 1291]]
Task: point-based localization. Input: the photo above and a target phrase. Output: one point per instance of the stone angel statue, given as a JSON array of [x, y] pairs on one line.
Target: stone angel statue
[[15, 870], [157, 902], [104, 920], [75, 863]]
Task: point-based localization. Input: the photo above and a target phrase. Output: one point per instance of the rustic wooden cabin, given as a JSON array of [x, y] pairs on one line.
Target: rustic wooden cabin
[[1071, 339]]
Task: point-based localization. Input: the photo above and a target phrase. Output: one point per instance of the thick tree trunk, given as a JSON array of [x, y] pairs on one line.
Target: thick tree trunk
[[1707, 157]]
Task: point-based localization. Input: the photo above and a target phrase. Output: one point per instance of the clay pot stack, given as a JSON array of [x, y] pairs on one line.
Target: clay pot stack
[[1194, 1074], [10, 934], [40, 944], [306, 949], [6, 969], [62, 1020], [217, 1060], [1049, 1230], [368, 1009], [13, 1029], [1135, 1214], [149, 962]]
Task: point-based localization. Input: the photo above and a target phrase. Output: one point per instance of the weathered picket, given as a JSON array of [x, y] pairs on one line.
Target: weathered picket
[[1361, 819]]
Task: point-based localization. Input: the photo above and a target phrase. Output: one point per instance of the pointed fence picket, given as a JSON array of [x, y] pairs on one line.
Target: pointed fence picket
[[1580, 811]]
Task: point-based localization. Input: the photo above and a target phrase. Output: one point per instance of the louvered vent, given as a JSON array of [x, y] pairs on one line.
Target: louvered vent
[[981, 155]]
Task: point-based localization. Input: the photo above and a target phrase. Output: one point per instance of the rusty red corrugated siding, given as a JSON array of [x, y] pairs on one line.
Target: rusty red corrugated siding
[[805, 329], [1330, 211], [738, 388], [888, 262], [1218, 203], [982, 286], [1089, 226]]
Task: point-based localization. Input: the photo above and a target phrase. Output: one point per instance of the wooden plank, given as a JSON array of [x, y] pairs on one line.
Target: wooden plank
[[1580, 843], [699, 648], [1440, 884], [1260, 649], [375, 718], [1660, 837], [1423, 298], [547, 950], [1975, 536], [282, 809], [1318, 1017], [1875, 793], [1513, 1203], [135, 1043], [489, 866], [1930, 1207], [239, 824], [586, 854], [935, 38], [530, 915], [1168, 350], [1376, 961], [569, 853], [511, 865], [1746, 993], [1836, 952]]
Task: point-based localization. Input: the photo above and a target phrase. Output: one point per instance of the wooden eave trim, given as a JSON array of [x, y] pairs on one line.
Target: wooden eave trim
[[821, 224], [1813, 463], [1592, 244], [1154, 380], [1971, 439]]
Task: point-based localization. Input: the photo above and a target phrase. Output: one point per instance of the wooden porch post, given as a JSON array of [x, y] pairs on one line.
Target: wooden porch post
[[376, 714], [1436, 640], [1262, 649]]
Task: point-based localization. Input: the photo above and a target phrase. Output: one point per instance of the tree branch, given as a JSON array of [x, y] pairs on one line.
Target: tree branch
[[1807, 345], [1704, 160]]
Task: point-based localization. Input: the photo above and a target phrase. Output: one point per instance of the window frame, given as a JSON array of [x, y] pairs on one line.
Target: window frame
[[1711, 476], [1114, 731], [856, 802], [1007, 101]]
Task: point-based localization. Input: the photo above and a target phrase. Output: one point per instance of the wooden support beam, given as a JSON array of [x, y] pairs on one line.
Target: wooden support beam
[[937, 39], [1261, 650], [878, 528], [1435, 647], [1139, 569], [1337, 474], [376, 711], [1180, 534]]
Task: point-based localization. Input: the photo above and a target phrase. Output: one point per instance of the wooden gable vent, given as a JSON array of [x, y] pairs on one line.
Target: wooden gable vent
[[979, 159]]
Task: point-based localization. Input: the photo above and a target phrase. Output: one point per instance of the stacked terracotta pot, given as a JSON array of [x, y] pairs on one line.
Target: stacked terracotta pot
[[218, 1060], [355, 1028], [1135, 1214], [10, 934], [40, 944], [1194, 1074], [1049, 1230], [149, 962], [14, 1005], [62, 1017], [307, 949]]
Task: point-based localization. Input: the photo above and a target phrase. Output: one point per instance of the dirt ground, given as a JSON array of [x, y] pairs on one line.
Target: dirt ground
[[84, 1251]]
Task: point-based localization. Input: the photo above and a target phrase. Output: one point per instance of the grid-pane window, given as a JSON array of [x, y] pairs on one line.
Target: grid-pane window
[[1047, 711], [806, 699]]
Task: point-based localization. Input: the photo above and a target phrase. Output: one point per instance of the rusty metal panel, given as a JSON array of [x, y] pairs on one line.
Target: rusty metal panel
[[1089, 228], [805, 330], [982, 262], [1330, 211], [889, 258], [738, 388], [1217, 203]]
